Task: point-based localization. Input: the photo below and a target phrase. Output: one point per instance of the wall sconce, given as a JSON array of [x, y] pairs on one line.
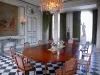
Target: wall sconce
[[22, 21]]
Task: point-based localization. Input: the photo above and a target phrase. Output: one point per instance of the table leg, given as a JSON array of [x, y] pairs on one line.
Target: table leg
[[2, 47], [45, 69]]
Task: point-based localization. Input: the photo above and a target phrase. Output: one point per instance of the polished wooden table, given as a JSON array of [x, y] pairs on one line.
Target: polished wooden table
[[42, 54]]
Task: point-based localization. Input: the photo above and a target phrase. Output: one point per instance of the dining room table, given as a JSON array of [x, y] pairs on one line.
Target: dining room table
[[42, 53]]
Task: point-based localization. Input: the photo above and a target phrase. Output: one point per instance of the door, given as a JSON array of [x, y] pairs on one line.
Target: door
[[31, 30]]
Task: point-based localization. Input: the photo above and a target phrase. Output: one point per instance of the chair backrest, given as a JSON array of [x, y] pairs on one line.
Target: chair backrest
[[40, 42], [12, 50], [19, 62], [26, 45], [50, 41], [71, 65], [87, 45], [70, 41]]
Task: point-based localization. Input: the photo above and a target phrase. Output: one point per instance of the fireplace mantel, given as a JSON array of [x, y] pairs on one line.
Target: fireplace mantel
[[8, 39], [11, 37]]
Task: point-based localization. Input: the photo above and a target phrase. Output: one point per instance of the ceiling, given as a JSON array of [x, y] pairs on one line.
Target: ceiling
[[37, 2], [78, 8]]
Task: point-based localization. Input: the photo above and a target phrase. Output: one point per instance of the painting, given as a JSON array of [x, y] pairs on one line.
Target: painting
[[8, 19]]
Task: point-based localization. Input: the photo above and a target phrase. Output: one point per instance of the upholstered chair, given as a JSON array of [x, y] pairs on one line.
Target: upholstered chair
[[26, 45], [12, 52], [40, 42], [70, 41], [22, 66], [85, 61], [70, 67], [50, 41], [85, 47]]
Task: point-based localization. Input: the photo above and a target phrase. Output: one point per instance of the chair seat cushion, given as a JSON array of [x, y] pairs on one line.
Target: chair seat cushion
[[60, 71], [64, 71], [27, 66], [82, 61]]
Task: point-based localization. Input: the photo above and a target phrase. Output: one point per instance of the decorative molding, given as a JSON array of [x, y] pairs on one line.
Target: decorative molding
[[31, 40], [70, 0], [29, 10], [34, 40], [32, 30], [29, 3], [28, 29], [35, 23], [22, 43]]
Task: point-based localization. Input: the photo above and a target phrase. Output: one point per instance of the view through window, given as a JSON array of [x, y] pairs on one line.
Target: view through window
[[86, 25]]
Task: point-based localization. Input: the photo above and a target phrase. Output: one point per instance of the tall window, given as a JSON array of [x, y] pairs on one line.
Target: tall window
[[86, 19]]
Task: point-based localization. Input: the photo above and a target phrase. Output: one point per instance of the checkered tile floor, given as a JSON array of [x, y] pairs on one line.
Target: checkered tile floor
[[7, 68]]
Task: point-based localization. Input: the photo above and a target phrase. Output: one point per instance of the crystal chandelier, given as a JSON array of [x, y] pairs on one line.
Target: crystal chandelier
[[51, 5]]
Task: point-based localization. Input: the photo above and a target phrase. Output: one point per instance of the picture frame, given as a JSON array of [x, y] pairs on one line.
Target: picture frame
[[8, 19]]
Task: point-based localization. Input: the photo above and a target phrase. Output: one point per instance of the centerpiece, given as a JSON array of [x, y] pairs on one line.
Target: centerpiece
[[55, 48]]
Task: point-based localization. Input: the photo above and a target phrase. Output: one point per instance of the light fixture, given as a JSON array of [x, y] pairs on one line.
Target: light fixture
[[51, 5], [22, 21]]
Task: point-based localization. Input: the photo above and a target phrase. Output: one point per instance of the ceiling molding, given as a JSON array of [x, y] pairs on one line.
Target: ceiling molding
[[29, 3], [70, 0], [78, 8]]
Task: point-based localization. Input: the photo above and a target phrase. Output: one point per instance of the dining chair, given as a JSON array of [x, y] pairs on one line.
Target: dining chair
[[40, 42], [85, 61], [22, 66], [87, 54], [85, 47], [70, 41], [12, 53], [26, 45], [75, 49], [70, 67], [50, 41]]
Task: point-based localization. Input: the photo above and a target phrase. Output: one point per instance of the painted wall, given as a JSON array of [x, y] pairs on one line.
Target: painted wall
[[32, 30]]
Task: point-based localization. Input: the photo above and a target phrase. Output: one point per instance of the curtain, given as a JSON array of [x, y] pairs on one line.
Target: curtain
[[50, 28], [47, 26], [63, 26], [76, 24], [94, 32]]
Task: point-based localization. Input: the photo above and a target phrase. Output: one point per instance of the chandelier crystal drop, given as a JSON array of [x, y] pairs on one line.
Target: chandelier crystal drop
[[51, 5]]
